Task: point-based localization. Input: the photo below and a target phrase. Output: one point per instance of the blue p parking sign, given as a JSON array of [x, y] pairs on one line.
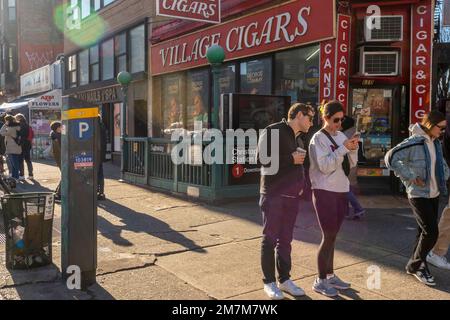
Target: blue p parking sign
[[83, 129]]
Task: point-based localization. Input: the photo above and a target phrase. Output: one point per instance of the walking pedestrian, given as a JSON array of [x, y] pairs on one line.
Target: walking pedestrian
[[2, 147], [332, 155], [349, 129], [418, 161], [26, 136], [55, 137], [436, 257], [10, 131], [279, 202], [102, 158]]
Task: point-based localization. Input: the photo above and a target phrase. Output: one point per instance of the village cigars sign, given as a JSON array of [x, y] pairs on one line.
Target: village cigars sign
[[197, 10], [287, 25], [421, 58]]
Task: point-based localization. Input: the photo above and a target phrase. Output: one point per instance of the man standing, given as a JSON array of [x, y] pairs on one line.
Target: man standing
[[436, 257], [279, 202]]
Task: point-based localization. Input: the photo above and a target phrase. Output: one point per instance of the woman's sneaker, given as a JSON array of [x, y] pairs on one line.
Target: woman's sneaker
[[424, 276], [322, 286], [338, 283], [438, 261], [273, 292], [290, 287]]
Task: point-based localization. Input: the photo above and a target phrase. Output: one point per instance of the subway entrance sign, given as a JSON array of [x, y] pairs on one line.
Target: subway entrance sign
[[80, 138]]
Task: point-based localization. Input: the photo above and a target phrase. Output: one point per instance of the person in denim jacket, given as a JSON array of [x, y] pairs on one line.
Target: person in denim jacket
[[418, 161]]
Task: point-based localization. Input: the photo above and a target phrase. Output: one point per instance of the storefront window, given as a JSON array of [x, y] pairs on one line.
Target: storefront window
[[172, 109], [197, 98], [297, 74], [227, 79], [256, 76], [108, 59], [84, 67], [372, 110]]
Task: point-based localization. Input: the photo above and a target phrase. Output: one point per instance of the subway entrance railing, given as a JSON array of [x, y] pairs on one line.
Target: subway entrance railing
[[148, 161]]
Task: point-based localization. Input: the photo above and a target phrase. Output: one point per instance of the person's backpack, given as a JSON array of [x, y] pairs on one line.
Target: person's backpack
[[30, 134]]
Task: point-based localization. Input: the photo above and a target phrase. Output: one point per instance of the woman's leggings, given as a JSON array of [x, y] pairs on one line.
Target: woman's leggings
[[331, 208]]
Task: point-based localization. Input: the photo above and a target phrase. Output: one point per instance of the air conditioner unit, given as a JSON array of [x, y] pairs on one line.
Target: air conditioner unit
[[390, 28], [379, 63]]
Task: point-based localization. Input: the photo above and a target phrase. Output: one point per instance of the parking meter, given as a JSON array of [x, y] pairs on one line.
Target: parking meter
[[79, 166]]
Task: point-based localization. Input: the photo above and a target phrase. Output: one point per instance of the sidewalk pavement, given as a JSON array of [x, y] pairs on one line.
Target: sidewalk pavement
[[152, 245]]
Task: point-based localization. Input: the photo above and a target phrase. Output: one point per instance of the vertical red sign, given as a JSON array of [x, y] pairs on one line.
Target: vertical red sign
[[342, 59], [327, 69], [421, 58]]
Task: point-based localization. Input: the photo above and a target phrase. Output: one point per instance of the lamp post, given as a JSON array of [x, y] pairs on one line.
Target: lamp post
[[216, 56], [124, 79]]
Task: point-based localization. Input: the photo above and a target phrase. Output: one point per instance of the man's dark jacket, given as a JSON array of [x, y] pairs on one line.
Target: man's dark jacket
[[289, 179]]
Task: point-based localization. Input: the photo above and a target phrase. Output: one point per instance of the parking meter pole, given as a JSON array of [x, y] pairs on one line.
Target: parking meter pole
[[80, 159]]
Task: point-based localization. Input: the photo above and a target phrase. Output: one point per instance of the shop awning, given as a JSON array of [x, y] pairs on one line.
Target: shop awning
[[15, 105]]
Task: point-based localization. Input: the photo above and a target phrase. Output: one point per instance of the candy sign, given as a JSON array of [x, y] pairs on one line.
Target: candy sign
[[421, 59]]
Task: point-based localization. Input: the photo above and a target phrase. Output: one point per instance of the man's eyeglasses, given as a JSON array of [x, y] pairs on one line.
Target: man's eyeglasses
[[337, 120]]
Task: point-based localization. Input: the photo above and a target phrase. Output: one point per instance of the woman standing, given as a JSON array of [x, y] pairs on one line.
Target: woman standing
[[10, 131], [418, 161], [332, 156], [55, 137], [26, 133]]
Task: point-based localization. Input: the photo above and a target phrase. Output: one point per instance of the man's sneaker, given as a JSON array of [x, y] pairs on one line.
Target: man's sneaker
[[438, 261], [338, 283], [30, 177], [21, 178], [101, 197], [424, 276], [290, 287], [323, 287], [273, 292], [359, 215]]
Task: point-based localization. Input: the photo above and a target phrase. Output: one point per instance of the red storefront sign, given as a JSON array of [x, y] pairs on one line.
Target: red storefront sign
[[197, 10], [288, 25], [327, 69], [421, 58], [342, 59]]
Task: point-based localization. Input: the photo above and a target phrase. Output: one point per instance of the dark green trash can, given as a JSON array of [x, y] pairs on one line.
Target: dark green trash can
[[28, 221]]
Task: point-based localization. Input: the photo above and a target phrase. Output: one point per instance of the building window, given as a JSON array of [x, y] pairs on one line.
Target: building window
[[297, 74], [12, 10], [11, 57], [84, 67], [108, 59], [94, 65], [72, 68], [197, 109], [137, 36], [121, 52], [97, 5], [256, 76], [85, 8]]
